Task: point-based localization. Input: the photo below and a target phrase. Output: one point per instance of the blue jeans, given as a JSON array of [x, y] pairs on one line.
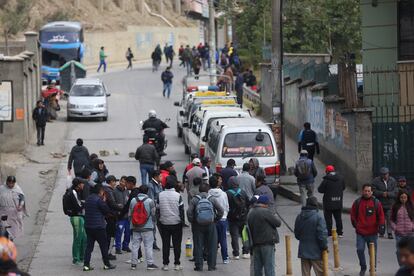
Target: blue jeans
[[102, 63], [122, 227], [222, 237], [167, 87], [397, 240], [360, 244], [264, 259], [146, 170]]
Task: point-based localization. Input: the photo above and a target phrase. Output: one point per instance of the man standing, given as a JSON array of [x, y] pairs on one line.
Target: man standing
[[122, 225], [385, 189], [79, 156], [142, 217], [228, 172], [305, 173], [40, 117], [246, 182], [148, 157], [166, 78], [262, 226], [154, 189], [332, 188], [102, 57], [239, 88], [195, 172], [310, 231], [203, 213], [308, 140], [171, 218], [263, 189], [166, 52], [367, 217]]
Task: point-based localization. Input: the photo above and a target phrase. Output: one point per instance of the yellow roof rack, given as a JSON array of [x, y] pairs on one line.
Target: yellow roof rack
[[209, 93]]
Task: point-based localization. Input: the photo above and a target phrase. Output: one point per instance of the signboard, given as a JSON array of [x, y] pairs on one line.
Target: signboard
[[6, 101]]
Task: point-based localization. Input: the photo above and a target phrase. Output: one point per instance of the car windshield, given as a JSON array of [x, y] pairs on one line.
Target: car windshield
[[86, 90], [251, 144]]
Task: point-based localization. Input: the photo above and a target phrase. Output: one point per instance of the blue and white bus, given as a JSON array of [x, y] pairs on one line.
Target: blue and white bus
[[61, 42]]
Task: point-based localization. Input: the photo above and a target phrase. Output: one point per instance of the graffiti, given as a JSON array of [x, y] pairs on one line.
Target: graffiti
[[391, 151], [316, 113], [337, 128]]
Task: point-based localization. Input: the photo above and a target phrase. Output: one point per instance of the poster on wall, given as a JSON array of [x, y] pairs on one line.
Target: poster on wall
[[6, 101]]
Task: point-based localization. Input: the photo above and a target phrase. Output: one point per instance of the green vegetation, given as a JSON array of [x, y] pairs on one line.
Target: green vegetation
[[15, 18]]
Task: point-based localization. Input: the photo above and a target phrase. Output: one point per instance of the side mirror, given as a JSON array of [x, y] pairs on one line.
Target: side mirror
[[182, 113], [66, 94], [204, 139], [185, 124], [108, 94], [176, 103]]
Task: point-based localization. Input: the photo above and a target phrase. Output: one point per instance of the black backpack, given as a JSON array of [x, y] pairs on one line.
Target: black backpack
[[66, 202], [239, 213], [304, 168]]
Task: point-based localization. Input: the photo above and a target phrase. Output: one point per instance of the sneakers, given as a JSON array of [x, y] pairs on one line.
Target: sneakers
[[133, 266], [340, 236], [109, 267], [226, 261], [111, 257], [246, 256], [140, 260], [126, 249], [118, 251], [178, 267], [362, 271], [87, 268], [155, 247], [236, 257], [390, 236], [165, 267], [198, 269], [212, 268], [152, 267]]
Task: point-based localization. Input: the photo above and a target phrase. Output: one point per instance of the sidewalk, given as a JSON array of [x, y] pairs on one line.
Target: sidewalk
[[289, 188]]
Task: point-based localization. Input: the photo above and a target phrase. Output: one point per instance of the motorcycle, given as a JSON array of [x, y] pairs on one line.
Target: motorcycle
[[154, 137], [3, 228]]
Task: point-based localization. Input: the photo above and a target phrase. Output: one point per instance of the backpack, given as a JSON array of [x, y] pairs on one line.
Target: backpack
[[139, 213], [66, 202], [304, 168], [204, 211], [240, 210]]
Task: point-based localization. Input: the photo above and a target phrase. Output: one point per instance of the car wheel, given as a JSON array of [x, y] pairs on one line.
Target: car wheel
[[105, 118], [186, 149], [68, 118], [179, 132]]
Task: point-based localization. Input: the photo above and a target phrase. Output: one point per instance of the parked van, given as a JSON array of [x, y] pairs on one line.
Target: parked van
[[201, 122], [242, 139]]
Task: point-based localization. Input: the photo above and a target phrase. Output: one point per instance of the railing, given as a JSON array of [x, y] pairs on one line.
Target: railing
[[251, 95]]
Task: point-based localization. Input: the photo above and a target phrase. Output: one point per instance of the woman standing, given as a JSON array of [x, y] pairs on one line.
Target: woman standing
[[402, 215], [12, 204]]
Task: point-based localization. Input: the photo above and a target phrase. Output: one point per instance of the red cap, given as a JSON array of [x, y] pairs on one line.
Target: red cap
[[329, 169]]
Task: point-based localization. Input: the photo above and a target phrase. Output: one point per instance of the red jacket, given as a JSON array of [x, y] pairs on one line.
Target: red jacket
[[164, 175], [364, 223]]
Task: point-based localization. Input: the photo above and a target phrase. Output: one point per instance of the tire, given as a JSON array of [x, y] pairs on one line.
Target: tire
[[68, 119], [179, 132], [186, 149], [105, 118]]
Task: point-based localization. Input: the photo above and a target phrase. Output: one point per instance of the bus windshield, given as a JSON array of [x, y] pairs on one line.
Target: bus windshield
[[250, 144], [57, 57], [59, 37]]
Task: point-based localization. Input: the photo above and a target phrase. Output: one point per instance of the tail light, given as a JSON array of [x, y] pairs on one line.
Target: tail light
[[202, 151], [275, 170], [218, 168]]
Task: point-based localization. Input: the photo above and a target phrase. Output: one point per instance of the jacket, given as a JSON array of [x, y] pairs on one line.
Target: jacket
[[222, 199], [146, 154], [154, 189], [149, 207], [310, 230], [265, 190], [247, 183], [332, 188], [378, 187], [79, 156], [308, 140], [403, 225], [164, 175], [133, 194], [193, 204], [233, 212], [262, 225], [95, 211], [256, 170], [171, 207], [110, 199], [309, 179], [226, 173], [366, 220], [167, 77], [40, 117], [76, 205], [121, 198], [154, 123], [194, 172]]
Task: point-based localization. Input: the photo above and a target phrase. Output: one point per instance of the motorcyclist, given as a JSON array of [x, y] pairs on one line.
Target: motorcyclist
[[159, 126]]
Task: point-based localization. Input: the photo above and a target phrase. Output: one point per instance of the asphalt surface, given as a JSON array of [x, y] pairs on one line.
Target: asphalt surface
[[133, 94]]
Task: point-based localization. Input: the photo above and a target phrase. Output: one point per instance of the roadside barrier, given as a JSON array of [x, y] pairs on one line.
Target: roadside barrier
[[335, 245], [325, 263], [372, 267], [288, 255]]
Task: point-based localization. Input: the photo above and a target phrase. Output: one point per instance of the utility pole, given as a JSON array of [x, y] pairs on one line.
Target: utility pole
[[277, 59], [212, 42]]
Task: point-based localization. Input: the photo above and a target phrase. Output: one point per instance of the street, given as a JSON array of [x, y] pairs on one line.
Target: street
[[133, 94]]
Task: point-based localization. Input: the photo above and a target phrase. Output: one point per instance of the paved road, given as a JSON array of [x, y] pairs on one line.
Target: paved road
[[133, 94]]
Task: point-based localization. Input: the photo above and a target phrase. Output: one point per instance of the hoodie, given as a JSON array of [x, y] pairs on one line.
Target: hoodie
[[332, 188], [79, 156], [310, 230], [256, 170], [222, 199]]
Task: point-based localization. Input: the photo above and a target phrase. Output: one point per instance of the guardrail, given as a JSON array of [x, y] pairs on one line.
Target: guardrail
[[251, 95]]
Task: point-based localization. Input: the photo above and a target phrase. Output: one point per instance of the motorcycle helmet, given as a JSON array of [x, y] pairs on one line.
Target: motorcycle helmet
[[8, 251], [152, 114]]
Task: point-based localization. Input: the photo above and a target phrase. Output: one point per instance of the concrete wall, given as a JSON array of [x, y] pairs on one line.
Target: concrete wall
[[142, 41]]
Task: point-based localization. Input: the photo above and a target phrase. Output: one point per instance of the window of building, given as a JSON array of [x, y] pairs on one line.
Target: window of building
[[406, 30]]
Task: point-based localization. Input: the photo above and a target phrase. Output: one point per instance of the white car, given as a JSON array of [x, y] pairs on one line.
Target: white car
[[88, 99]]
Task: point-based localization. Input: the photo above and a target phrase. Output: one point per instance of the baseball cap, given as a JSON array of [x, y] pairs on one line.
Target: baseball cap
[[384, 170], [168, 164], [402, 178], [196, 161], [329, 169], [263, 199]]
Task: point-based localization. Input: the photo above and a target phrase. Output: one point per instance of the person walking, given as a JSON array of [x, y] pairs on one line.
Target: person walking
[[79, 158], [142, 218], [203, 213], [402, 185], [166, 49], [40, 116], [171, 55], [367, 217], [171, 220], [310, 230], [74, 208], [308, 140], [217, 193], [156, 57], [180, 56], [402, 218], [95, 211], [187, 57], [167, 77], [196, 65], [148, 158], [122, 225], [385, 189], [332, 188], [102, 57], [238, 209], [246, 182], [262, 226], [129, 56], [228, 172], [305, 173], [238, 86]]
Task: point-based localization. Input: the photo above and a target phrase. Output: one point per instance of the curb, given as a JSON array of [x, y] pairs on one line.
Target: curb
[[287, 193]]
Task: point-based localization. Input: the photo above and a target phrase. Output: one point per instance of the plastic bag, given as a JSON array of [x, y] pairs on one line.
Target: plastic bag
[[69, 179]]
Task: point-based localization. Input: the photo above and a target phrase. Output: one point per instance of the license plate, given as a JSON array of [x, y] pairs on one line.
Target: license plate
[[86, 113]]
